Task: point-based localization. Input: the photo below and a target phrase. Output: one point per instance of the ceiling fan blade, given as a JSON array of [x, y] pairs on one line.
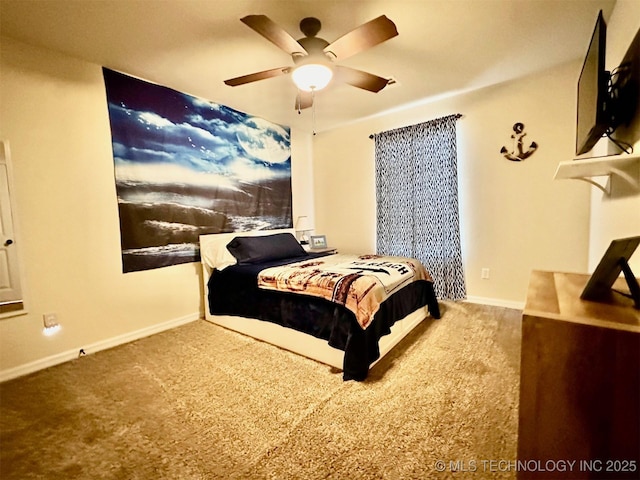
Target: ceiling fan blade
[[274, 33], [365, 36], [254, 77], [303, 100], [360, 79]]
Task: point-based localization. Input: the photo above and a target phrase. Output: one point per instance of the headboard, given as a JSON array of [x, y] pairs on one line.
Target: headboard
[[213, 248], [214, 254]]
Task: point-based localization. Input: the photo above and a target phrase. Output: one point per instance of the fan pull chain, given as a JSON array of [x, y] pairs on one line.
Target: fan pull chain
[[313, 111]]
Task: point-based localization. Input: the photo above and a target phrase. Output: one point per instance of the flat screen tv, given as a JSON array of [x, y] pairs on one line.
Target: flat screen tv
[[625, 81], [593, 116]]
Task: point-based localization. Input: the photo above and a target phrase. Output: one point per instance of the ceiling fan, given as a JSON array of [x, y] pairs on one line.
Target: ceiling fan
[[313, 56]]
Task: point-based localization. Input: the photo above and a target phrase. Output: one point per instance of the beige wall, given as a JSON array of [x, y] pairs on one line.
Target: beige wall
[[54, 116], [514, 216], [616, 215]]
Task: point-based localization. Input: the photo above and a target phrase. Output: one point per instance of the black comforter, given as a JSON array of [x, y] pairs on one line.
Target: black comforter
[[234, 291]]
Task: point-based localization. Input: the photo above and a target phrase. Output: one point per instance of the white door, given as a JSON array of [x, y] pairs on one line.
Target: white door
[[10, 289]]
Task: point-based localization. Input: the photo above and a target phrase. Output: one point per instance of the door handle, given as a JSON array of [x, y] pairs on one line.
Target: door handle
[[8, 242]]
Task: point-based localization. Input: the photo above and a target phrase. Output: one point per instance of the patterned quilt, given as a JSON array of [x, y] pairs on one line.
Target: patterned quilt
[[360, 283]]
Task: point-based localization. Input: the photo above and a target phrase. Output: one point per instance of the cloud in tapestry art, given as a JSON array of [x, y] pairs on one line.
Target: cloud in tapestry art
[[185, 166]]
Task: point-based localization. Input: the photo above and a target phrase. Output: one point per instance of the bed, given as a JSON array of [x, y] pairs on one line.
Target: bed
[[306, 322]]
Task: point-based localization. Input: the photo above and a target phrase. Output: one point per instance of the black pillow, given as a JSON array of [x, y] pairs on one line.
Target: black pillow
[[265, 248]]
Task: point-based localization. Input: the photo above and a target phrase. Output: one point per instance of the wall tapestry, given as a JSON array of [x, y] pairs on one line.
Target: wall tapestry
[[185, 166]]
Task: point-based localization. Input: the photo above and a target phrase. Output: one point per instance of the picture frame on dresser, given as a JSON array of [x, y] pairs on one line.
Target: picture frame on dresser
[[317, 242], [615, 261]]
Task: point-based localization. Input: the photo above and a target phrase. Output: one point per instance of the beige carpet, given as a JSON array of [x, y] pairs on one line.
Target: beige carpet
[[201, 402]]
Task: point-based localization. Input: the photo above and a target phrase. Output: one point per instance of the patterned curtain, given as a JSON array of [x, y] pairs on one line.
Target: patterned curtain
[[417, 200]]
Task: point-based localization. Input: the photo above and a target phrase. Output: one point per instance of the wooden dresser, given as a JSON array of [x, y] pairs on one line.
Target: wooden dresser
[[579, 382]]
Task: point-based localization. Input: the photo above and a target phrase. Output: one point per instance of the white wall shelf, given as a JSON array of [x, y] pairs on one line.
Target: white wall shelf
[[625, 167]]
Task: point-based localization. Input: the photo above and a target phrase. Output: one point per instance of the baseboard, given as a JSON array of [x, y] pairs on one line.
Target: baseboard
[[495, 302], [62, 357]]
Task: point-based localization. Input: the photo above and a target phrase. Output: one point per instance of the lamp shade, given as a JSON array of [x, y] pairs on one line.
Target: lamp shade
[[312, 76], [303, 224]]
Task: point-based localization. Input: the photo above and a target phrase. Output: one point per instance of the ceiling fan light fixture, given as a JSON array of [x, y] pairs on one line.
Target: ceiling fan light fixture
[[312, 77]]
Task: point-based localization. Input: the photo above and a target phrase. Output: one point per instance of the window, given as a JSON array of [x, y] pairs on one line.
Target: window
[[417, 200]]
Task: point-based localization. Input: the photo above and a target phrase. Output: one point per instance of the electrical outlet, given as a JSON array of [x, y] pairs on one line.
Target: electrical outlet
[[51, 325], [50, 320], [484, 274]]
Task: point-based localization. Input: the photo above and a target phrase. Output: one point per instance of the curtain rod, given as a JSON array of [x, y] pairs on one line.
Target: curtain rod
[[457, 115]]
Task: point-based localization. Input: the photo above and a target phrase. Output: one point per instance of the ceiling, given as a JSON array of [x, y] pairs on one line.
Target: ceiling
[[443, 46]]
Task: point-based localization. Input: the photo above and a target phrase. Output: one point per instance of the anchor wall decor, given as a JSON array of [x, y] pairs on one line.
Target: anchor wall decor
[[518, 154]]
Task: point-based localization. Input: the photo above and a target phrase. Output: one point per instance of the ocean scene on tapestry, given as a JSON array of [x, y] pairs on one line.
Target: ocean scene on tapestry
[[185, 166]]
